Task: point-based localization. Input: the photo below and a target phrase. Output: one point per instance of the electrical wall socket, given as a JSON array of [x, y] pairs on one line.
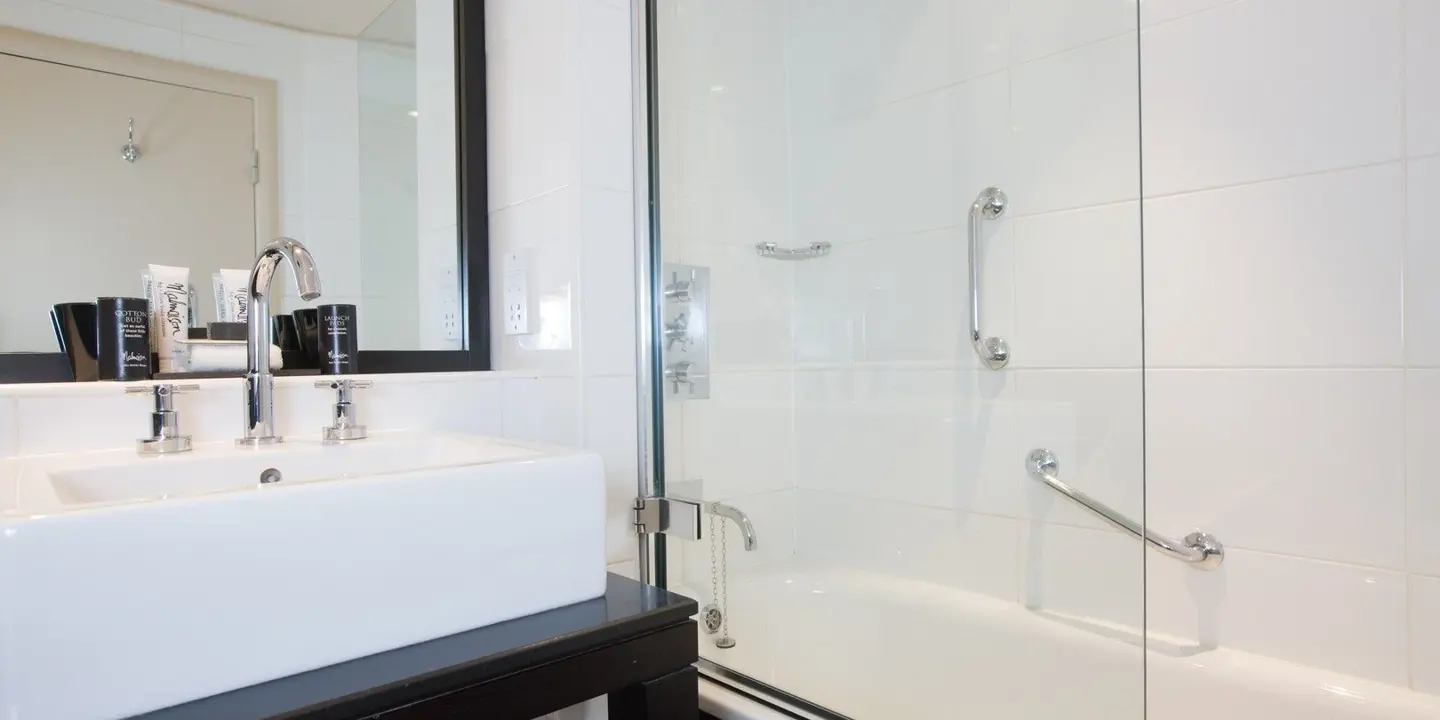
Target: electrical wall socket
[[516, 293], [450, 306]]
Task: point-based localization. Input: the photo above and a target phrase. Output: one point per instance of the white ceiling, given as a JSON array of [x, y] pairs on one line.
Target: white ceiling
[[334, 17]]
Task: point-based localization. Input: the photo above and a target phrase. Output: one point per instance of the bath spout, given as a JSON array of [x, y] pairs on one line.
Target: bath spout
[[740, 518]]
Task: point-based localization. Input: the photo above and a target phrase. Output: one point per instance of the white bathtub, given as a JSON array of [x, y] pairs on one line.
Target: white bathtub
[[880, 648]]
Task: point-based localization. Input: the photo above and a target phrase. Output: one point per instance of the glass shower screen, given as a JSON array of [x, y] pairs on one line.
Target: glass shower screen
[[899, 249]]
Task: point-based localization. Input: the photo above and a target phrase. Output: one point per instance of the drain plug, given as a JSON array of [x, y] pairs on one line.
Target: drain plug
[[270, 475]]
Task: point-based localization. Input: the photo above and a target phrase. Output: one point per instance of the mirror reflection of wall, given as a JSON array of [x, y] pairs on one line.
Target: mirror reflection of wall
[[330, 121]]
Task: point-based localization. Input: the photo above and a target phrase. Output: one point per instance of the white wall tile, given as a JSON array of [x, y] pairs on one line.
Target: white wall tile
[[883, 173], [546, 409], [736, 189], [1094, 422], [465, 404], [1154, 12], [109, 30], [611, 430], [1075, 129], [1078, 289], [849, 57], [726, 58], [939, 438], [1084, 574], [231, 57], [332, 138], [150, 12], [1425, 634], [740, 440], [899, 299], [1422, 499], [547, 229], [608, 322], [533, 140], [1214, 117], [608, 156], [60, 422], [1304, 463], [980, 131], [1422, 263], [1301, 272], [1271, 605], [510, 19], [334, 243], [230, 28], [964, 550], [1422, 76], [1044, 27], [751, 301]]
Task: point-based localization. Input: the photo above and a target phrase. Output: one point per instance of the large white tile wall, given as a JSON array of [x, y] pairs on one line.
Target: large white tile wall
[[1278, 385], [561, 194], [1288, 395]]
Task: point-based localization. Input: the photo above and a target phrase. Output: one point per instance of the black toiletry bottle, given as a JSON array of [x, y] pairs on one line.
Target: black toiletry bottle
[[123, 325], [339, 354]]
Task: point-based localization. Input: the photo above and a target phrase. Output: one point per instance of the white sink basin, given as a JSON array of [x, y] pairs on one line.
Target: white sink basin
[[129, 584]]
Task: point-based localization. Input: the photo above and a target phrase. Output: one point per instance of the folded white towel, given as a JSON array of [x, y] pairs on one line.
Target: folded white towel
[[217, 356]]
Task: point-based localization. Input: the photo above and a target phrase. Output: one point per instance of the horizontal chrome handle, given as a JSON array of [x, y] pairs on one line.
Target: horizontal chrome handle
[[1199, 549]]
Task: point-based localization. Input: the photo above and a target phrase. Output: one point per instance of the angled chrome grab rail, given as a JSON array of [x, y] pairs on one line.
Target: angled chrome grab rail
[[1201, 550], [993, 351]]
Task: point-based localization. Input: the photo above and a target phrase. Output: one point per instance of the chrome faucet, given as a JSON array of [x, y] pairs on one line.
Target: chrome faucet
[[259, 381], [740, 518]]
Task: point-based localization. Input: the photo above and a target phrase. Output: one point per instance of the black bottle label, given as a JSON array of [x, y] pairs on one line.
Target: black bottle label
[[338, 349], [123, 325]]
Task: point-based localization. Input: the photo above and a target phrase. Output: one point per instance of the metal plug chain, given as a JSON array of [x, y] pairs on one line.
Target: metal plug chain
[[711, 616], [724, 641]]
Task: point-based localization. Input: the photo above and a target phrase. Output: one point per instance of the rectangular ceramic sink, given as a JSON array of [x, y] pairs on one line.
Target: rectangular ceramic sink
[[129, 584]]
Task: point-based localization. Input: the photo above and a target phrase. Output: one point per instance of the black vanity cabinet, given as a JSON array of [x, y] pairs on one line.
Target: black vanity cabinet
[[636, 643]]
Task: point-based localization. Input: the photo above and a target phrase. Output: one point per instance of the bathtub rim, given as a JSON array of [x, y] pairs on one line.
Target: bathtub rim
[[731, 695]]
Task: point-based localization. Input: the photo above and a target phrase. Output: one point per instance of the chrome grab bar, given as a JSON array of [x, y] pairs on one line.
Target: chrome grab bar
[[993, 351], [1199, 549]]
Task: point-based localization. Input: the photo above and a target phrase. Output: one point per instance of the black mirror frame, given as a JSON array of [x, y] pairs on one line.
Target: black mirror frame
[[473, 236]]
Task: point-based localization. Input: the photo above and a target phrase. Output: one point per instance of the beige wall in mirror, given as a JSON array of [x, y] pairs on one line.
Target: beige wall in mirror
[[349, 107]]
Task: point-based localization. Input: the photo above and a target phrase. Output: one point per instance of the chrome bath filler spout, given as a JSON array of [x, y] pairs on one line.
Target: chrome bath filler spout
[[259, 381], [746, 529]]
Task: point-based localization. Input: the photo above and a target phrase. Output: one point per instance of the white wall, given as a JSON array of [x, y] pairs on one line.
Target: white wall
[[1288, 238], [1290, 338], [561, 168]]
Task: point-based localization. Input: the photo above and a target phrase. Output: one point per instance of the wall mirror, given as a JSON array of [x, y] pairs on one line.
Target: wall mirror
[[189, 134]]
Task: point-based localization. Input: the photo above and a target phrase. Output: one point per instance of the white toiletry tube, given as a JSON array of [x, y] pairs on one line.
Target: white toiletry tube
[[169, 298], [232, 295]]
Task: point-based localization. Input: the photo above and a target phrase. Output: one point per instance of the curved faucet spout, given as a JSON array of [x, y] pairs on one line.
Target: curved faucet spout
[[740, 518], [307, 277], [259, 381]]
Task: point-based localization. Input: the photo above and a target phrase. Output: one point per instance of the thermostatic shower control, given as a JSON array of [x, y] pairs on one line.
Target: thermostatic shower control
[[685, 332]]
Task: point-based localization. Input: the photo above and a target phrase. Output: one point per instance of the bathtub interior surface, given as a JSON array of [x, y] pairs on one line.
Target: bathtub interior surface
[[871, 646]]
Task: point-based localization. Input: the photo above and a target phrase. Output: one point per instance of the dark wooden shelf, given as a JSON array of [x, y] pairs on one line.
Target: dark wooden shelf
[[636, 643]]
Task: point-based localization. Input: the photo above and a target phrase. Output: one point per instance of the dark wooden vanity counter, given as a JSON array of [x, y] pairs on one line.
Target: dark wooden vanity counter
[[637, 643]]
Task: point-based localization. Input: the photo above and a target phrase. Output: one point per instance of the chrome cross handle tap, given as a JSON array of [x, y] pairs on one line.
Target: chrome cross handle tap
[[165, 437], [259, 381], [345, 418]]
